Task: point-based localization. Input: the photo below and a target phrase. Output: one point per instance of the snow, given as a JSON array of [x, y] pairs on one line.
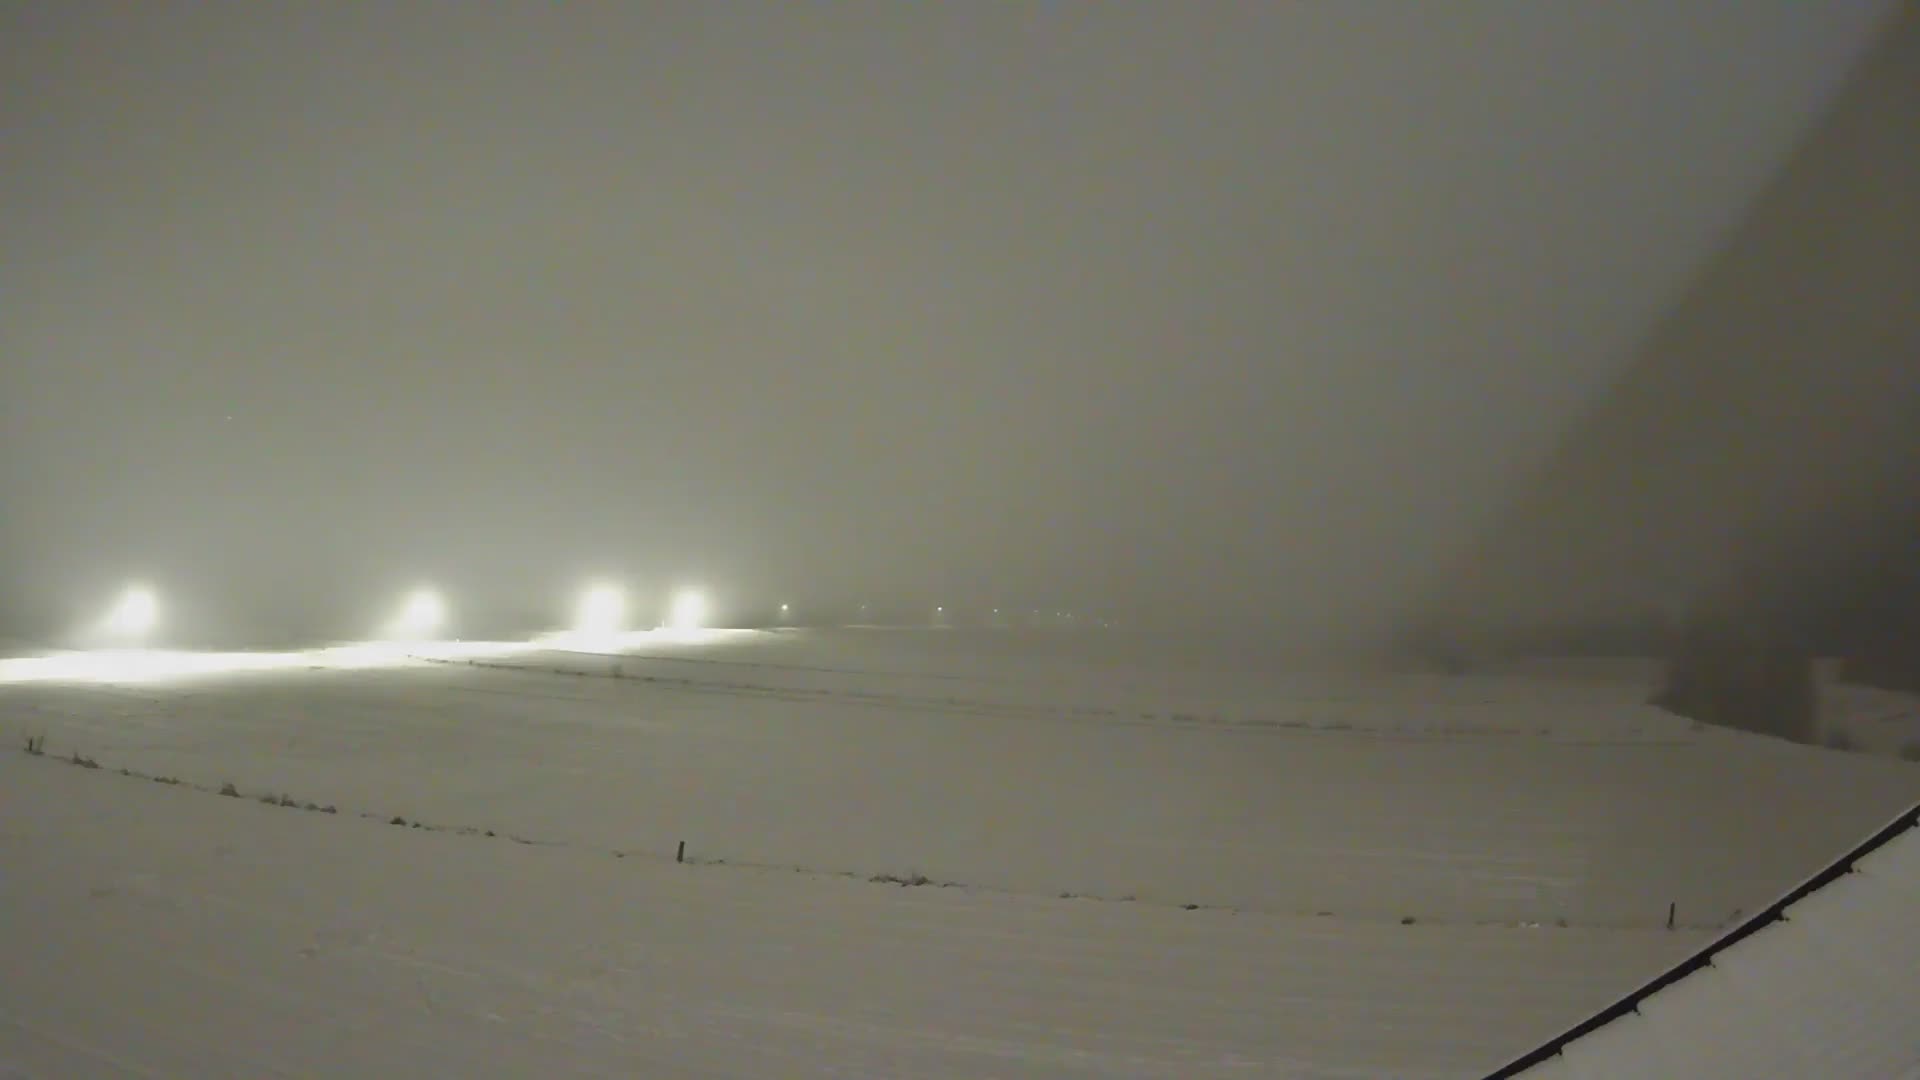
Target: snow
[[1850, 716], [1304, 811], [152, 930], [1827, 988], [1871, 720]]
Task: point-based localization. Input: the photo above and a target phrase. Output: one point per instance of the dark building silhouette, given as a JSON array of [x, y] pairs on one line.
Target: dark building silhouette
[[1751, 487]]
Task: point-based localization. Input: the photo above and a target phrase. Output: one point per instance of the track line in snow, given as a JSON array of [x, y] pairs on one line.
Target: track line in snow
[[1173, 720], [886, 878]]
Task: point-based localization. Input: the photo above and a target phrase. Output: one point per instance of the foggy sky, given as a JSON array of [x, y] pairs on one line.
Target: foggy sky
[[1169, 310]]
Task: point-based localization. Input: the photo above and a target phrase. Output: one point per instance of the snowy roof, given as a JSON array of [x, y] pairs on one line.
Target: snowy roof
[[1825, 982]]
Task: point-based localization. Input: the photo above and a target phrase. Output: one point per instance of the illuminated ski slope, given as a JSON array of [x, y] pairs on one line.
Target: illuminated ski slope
[[1364, 793], [1305, 811]]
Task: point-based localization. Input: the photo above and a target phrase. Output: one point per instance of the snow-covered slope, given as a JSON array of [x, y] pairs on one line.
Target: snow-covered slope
[[1389, 873], [1361, 793], [148, 930]]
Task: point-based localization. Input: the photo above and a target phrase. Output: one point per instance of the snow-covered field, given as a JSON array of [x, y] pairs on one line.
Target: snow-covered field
[[1870, 720], [1077, 794]]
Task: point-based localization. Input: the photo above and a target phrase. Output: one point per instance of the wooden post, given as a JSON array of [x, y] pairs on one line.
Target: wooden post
[[681, 856], [1670, 908]]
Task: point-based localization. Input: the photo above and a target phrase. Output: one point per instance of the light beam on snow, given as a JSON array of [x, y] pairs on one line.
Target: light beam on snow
[[157, 665], [136, 666]]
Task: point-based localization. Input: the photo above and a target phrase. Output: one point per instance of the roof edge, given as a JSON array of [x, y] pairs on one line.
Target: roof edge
[[1760, 920]]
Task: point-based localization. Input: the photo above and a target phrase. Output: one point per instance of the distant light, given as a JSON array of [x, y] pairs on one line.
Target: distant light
[[135, 614], [784, 608], [602, 612], [689, 610], [422, 615]]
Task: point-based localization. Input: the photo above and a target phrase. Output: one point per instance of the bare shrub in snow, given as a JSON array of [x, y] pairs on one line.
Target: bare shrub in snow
[[909, 881]]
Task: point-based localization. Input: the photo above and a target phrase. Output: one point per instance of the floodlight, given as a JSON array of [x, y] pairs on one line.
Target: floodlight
[[422, 615], [602, 611], [689, 611], [135, 614]]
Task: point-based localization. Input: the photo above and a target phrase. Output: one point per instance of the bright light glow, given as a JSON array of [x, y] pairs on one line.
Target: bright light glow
[[134, 615], [602, 612], [689, 611], [139, 666], [157, 665], [423, 615]]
